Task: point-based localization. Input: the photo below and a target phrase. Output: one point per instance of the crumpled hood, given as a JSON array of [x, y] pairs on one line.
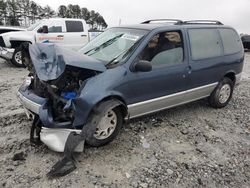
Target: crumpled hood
[[50, 60]]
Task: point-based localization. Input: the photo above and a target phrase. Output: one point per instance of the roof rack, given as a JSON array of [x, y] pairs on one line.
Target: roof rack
[[210, 22], [175, 21]]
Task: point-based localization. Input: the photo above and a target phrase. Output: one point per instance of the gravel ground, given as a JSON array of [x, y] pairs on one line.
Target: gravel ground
[[188, 146]]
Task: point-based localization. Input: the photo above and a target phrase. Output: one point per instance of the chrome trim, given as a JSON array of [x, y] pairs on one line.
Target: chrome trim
[[238, 78], [28, 104], [168, 101], [56, 139]]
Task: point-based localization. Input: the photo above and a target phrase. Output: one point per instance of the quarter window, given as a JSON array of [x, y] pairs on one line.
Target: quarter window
[[231, 41], [164, 49], [205, 43], [74, 26]]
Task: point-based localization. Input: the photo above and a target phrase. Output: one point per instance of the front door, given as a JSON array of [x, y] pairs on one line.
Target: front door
[[162, 87], [56, 32]]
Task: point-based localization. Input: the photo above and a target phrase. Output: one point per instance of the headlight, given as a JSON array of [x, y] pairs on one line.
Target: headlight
[[26, 83]]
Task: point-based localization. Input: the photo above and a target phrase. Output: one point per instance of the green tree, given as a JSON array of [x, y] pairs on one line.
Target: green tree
[[3, 12], [33, 11], [48, 12], [85, 14], [62, 11], [13, 8]]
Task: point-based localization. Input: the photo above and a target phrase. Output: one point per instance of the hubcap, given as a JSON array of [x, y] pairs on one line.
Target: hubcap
[[224, 94], [106, 126], [18, 57]]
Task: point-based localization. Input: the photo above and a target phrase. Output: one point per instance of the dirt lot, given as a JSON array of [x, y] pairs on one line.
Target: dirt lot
[[188, 146]]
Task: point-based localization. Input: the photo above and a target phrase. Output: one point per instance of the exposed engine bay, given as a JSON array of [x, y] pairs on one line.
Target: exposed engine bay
[[62, 89], [59, 76]]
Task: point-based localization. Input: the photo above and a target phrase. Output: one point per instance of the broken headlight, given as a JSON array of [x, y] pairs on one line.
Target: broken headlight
[[26, 83]]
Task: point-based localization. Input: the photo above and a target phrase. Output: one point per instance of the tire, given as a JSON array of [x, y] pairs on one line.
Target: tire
[[98, 137], [222, 94], [17, 58]]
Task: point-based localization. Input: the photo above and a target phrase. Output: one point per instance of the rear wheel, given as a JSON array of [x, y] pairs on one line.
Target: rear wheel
[[222, 94], [107, 126], [17, 58]]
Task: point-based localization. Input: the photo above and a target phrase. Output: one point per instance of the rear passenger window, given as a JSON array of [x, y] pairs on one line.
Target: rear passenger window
[[74, 26], [205, 43], [231, 41]]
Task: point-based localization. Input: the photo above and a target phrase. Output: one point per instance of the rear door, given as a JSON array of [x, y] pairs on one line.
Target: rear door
[[206, 59], [76, 35]]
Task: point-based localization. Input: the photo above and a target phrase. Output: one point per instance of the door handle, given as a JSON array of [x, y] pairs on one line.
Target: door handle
[[59, 35], [189, 69], [83, 35]]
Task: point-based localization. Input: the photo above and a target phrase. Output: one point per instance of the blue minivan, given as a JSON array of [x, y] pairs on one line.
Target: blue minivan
[[127, 72]]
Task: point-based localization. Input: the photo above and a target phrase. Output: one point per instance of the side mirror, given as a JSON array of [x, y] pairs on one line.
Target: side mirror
[[43, 29], [143, 66]]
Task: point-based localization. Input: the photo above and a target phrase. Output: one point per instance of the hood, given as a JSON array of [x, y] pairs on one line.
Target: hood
[[17, 33], [50, 60]]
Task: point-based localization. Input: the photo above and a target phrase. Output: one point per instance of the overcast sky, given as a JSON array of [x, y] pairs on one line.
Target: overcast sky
[[231, 12]]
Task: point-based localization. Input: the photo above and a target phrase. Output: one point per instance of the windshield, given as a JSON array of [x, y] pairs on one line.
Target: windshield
[[33, 26], [112, 44]]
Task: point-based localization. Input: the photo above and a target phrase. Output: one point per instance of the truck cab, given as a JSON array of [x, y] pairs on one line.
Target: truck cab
[[68, 33]]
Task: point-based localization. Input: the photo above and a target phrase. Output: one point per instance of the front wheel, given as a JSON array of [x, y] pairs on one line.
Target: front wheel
[[107, 125], [17, 58], [222, 94]]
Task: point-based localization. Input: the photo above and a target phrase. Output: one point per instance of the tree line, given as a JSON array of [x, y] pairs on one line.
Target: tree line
[[26, 12]]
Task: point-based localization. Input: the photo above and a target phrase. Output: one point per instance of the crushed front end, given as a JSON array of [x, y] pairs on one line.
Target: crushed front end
[[49, 94]]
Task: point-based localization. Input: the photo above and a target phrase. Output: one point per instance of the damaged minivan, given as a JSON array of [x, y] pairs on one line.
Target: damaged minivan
[[127, 72]]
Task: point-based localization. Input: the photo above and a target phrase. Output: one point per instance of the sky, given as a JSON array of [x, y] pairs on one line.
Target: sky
[[235, 13]]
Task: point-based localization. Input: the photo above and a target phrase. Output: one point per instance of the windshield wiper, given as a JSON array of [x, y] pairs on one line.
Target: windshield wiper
[[103, 45], [125, 52]]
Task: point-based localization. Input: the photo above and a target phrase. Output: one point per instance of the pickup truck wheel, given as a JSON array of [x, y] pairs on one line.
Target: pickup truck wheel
[[222, 94], [17, 58], [107, 126]]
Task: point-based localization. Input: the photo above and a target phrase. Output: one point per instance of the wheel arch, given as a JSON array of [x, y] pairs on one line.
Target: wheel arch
[[117, 101], [16, 43], [231, 75]]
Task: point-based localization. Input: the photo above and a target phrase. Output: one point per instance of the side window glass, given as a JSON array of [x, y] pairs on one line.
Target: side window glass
[[205, 43], [231, 41], [74, 26], [164, 49], [55, 29]]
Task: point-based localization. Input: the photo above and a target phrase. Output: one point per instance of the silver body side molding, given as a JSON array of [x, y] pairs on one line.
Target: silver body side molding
[[168, 101]]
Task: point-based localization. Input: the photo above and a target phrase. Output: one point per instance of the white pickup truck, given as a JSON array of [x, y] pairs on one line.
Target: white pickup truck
[[69, 33]]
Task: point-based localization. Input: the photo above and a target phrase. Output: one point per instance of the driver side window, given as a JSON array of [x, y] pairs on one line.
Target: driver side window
[[164, 49], [55, 29]]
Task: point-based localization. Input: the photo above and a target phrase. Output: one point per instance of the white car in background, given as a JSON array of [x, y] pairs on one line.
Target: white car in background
[[69, 33]]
